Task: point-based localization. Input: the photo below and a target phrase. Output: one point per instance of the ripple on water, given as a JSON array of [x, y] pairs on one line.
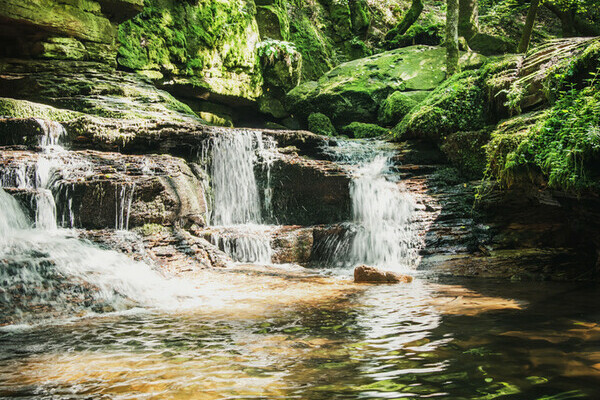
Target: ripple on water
[[372, 342]]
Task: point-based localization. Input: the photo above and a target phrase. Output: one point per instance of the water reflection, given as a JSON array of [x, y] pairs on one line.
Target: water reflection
[[300, 335]]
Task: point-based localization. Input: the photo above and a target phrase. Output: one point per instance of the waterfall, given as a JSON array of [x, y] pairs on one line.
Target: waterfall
[[59, 273], [382, 213], [245, 243], [382, 231], [123, 200], [236, 200]]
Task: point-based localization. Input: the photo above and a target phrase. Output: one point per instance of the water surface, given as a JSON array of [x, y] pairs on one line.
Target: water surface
[[284, 333]]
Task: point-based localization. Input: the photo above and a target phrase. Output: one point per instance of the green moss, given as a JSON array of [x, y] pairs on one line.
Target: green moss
[[361, 15], [432, 35], [395, 107], [360, 130], [466, 151], [152, 229], [566, 146], [26, 109], [321, 124], [457, 105], [317, 49], [559, 147], [339, 12], [207, 39]]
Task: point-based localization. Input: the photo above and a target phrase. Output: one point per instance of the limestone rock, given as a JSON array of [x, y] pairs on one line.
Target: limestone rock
[[367, 274]]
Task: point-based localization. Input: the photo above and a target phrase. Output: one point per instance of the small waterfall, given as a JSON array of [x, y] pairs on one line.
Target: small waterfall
[[382, 232], [123, 200], [383, 215], [245, 243], [236, 200], [61, 274]]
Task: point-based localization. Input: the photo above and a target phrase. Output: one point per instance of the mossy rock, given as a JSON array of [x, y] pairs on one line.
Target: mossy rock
[[360, 15], [353, 91], [209, 41], [273, 22], [491, 45], [431, 35], [27, 109], [505, 139], [457, 105], [395, 107], [281, 64], [317, 49], [466, 151], [361, 130], [321, 125], [339, 12], [272, 106]]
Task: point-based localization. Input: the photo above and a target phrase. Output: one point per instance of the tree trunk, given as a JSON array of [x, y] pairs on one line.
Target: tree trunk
[[468, 18], [566, 18], [452, 37], [572, 23], [528, 29], [410, 18]]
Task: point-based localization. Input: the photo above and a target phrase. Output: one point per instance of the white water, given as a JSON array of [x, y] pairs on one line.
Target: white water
[[60, 272], [233, 157], [383, 213], [382, 232], [45, 268], [245, 243], [236, 199]]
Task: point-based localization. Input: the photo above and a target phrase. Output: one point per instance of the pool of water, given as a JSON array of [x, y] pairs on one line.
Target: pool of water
[[290, 333]]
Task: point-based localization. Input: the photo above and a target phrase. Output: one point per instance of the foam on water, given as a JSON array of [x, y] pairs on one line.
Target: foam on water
[[232, 158], [382, 231]]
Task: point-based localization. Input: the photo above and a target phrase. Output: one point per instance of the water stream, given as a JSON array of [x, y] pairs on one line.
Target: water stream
[[232, 159], [382, 231], [84, 322]]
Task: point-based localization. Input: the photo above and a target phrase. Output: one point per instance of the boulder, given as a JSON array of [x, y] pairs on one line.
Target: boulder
[[354, 90], [367, 274], [204, 49]]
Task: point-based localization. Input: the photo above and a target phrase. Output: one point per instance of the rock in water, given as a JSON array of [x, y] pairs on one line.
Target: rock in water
[[367, 274]]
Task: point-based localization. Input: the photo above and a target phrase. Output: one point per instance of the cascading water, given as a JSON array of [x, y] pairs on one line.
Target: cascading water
[[61, 274], [382, 232], [232, 159], [44, 269]]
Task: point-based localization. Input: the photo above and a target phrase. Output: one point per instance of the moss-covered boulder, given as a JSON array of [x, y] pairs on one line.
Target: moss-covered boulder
[[76, 30], [90, 88], [490, 45], [202, 49], [321, 124], [361, 130], [431, 35], [395, 107], [466, 151], [459, 104], [354, 90]]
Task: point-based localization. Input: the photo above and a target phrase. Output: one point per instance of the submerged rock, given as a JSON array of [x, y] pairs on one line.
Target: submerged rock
[[367, 274]]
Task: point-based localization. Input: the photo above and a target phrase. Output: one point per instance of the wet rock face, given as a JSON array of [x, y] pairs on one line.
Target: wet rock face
[[309, 192], [367, 274], [108, 190], [175, 251], [273, 244]]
